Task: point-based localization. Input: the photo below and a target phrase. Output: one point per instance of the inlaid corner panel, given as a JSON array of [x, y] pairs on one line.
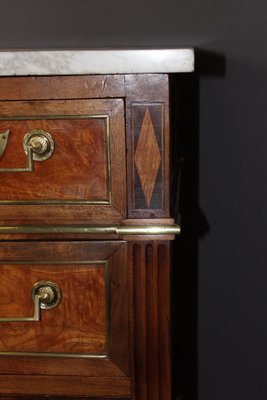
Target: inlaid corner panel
[[148, 158]]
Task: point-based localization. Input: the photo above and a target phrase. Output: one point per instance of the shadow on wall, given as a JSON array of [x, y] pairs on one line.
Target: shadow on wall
[[185, 160]]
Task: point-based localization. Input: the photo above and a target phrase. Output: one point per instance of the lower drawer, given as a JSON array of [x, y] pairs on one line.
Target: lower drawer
[[64, 319]]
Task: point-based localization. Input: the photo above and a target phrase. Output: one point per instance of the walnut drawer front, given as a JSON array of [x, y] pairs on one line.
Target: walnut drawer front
[[83, 178], [81, 346]]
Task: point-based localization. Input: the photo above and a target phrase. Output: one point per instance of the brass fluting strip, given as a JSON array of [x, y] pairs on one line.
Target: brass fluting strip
[[89, 229]]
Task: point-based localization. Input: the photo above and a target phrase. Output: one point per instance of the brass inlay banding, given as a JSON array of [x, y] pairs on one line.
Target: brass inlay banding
[[29, 168], [50, 355], [38, 145], [36, 316], [45, 295]]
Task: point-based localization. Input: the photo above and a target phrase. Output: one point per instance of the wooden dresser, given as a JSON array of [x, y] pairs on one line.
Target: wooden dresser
[[85, 225]]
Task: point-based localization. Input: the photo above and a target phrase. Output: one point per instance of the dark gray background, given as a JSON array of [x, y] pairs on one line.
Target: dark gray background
[[232, 147]]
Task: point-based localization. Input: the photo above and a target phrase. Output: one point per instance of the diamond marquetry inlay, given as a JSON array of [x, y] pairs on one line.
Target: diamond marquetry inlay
[[147, 156]]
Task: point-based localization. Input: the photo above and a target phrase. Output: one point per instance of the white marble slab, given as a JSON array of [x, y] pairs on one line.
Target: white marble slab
[[72, 62]]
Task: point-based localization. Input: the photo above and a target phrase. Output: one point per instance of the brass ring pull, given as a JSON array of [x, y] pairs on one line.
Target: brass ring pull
[[45, 295], [38, 146]]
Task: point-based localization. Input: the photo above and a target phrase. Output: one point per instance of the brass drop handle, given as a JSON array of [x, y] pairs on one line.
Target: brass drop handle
[[38, 146], [45, 295]]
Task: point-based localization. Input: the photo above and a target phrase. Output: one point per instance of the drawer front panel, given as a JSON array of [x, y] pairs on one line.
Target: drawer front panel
[[86, 167], [77, 171], [86, 334], [78, 324]]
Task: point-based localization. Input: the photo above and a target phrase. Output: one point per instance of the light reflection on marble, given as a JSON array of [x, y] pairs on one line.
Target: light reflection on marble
[[61, 62]]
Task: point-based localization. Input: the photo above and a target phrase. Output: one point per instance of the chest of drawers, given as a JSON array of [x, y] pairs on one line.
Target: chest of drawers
[[85, 229]]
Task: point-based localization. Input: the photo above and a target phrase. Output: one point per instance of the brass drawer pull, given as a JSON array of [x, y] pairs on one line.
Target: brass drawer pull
[[38, 145], [45, 295]]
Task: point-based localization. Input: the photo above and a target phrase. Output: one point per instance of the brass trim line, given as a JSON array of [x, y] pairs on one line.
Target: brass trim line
[[42, 139], [52, 262], [90, 229], [51, 355], [46, 295], [29, 167], [57, 202], [36, 317], [56, 116]]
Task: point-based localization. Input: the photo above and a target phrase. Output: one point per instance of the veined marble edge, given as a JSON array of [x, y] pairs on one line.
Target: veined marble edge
[[74, 62]]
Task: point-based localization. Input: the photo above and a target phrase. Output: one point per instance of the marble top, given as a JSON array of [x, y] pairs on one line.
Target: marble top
[[74, 62]]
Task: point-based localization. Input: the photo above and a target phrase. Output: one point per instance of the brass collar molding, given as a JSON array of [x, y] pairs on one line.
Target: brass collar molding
[[155, 229]]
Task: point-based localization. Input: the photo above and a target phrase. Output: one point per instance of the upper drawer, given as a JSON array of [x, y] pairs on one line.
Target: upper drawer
[[82, 180]]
